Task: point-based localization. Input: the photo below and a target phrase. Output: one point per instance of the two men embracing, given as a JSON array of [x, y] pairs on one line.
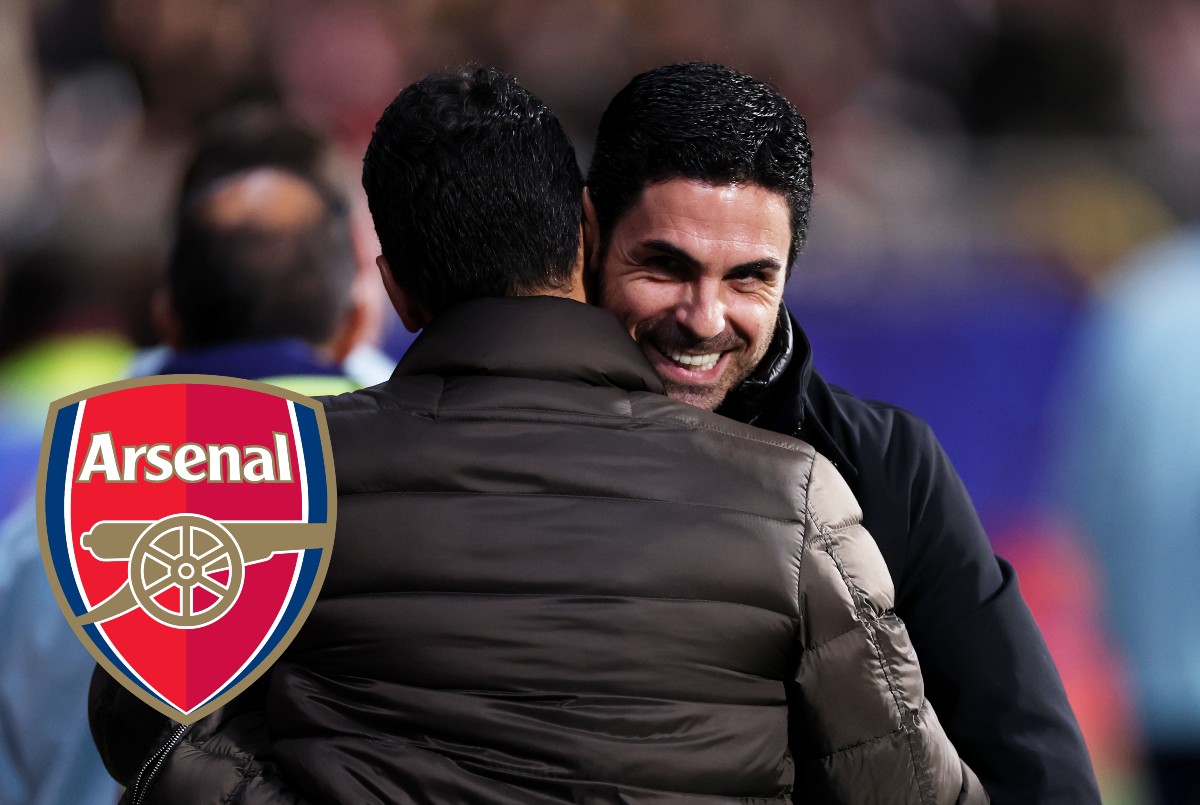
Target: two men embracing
[[559, 576]]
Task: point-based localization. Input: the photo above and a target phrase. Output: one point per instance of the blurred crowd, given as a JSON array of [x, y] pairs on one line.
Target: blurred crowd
[[1000, 242]]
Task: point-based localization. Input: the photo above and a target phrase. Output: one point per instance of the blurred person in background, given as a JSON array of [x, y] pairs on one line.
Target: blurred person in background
[[259, 286], [61, 329], [700, 188], [1130, 475], [255, 135], [259, 283]]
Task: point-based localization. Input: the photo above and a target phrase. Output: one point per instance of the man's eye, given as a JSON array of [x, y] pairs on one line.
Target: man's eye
[[748, 277], [667, 265]]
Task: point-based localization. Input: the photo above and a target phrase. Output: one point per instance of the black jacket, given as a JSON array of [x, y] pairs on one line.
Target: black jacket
[[986, 667], [552, 584]]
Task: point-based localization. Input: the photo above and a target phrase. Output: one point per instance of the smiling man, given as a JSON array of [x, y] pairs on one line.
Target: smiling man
[[697, 271], [700, 188]]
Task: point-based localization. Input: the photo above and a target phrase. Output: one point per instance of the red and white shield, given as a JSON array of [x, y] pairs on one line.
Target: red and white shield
[[186, 524]]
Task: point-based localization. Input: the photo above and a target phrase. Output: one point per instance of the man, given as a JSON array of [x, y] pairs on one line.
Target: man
[[700, 187], [552, 583], [257, 135], [259, 283], [272, 248]]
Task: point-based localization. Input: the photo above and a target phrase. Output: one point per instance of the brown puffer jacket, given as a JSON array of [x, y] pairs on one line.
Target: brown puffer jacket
[[552, 584]]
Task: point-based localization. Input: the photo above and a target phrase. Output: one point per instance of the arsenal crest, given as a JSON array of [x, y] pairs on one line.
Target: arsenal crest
[[186, 525]]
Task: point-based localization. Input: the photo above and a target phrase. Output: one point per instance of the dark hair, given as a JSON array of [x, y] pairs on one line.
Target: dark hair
[[474, 189], [256, 135], [49, 288], [243, 277], [705, 122]]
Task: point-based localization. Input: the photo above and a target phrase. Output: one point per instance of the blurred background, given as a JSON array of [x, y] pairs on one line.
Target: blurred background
[[1000, 241]]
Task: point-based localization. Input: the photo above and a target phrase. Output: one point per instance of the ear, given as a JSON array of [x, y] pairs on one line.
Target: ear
[[591, 234], [412, 312], [579, 283], [162, 316]]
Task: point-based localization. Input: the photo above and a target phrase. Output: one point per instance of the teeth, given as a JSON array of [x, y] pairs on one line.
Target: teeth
[[701, 362]]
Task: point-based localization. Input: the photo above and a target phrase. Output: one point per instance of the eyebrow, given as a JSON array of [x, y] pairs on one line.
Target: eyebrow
[[670, 249]]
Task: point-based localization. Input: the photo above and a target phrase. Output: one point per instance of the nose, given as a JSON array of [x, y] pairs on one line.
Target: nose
[[701, 312]]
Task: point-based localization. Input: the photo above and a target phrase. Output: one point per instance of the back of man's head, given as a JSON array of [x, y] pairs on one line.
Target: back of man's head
[[474, 190], [257, 135], [260, 254], [705, 122]]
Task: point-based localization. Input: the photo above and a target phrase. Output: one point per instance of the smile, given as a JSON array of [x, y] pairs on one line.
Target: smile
[[698, 362]]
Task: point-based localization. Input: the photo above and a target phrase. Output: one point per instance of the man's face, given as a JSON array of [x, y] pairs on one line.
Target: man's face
[[695, 272]]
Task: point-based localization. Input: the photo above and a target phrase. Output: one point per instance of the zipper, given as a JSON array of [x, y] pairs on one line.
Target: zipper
[[140, 787]]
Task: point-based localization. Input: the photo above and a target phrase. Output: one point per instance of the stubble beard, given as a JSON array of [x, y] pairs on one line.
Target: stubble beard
[[709, 396], [664, 336], [706, 397]]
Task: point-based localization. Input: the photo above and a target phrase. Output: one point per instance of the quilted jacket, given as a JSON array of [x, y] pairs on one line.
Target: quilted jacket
[[550, 583]]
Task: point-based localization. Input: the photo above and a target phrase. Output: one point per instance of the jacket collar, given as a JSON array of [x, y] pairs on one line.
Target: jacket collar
[[540, 337], [746, 401], [784, 394]]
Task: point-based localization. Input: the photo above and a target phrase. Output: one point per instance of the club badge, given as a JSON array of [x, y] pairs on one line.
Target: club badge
[[186, 525]]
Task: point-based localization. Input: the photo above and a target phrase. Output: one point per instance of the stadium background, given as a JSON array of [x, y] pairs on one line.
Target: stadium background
[[982, 168]]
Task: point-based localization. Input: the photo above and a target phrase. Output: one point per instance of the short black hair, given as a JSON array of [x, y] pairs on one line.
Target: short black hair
[[234, 280], [705, 122], [474, 189]]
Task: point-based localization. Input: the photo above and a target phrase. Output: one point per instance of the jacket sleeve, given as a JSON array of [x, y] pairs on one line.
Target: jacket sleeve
[[224, 757], [860, 726], [986, 665]]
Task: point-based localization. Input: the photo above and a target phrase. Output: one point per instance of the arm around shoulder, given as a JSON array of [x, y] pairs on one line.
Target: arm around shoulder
[[861, 728]]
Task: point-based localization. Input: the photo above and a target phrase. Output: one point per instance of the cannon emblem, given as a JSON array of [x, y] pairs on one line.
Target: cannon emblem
[[195, 557]]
